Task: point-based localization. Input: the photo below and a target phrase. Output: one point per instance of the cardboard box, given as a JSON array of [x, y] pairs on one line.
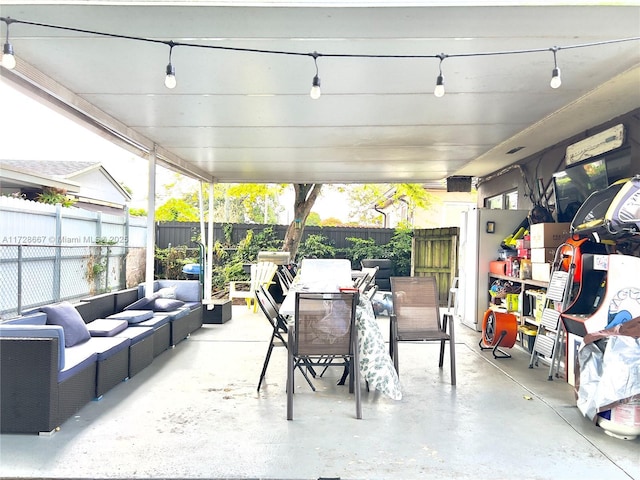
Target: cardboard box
[[512, 302], [541, 300], [543, 255], [547, 235], [541, 271]]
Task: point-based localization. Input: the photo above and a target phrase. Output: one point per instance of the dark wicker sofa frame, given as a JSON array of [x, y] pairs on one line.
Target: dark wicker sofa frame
[[33, 400]]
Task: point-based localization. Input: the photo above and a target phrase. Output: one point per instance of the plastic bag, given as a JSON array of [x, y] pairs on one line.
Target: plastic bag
[[608, 377]]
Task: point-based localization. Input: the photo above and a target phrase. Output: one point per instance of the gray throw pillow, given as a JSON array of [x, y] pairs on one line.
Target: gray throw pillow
[[166, 292], [166, 304], [66, 315], [143, 304]]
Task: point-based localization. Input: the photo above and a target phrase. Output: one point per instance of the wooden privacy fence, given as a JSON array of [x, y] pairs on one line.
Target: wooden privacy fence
[[186, 233], [435, 253]]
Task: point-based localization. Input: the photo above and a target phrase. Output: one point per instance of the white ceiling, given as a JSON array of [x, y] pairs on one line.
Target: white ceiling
[[247, 117]]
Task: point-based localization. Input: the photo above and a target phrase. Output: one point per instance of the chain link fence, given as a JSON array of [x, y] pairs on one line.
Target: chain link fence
[[35, 275]]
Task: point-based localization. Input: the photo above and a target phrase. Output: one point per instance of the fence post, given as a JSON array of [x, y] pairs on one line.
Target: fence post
[[106, 270], [123, 262], [57, 264], [19, 279]]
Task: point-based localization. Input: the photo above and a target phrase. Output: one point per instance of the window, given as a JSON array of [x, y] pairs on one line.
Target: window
[[504, 201], [511, 200]]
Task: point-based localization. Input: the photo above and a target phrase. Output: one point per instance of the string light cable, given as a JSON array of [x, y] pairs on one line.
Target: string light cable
[[8, 58]]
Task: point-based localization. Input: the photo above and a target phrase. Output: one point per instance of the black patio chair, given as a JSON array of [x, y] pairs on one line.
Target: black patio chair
[[279, 333]]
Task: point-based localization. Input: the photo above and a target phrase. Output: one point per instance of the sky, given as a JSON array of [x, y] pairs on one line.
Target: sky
[[30, 130]]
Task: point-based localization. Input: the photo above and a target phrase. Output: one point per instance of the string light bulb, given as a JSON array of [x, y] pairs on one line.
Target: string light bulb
[[315, 88], [556, 80], [8, 59], [315, 85], [170, 80], [439, 90]]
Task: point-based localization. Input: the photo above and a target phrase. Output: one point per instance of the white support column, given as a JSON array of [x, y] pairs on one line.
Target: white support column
[[201, 208], [209, 268], [151, 223], [206, 274]]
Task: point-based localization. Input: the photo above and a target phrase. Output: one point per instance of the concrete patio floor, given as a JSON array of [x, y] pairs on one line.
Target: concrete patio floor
[[195, 413]]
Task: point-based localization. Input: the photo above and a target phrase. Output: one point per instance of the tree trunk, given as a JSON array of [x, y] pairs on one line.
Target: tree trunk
[[305, 196]]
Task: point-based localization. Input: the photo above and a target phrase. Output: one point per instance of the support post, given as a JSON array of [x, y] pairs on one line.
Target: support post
[[209, 256], [151, 227]]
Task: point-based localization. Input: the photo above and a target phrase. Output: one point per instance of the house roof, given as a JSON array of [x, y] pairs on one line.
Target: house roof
[[60, 174], [40, 168], [25, 173]]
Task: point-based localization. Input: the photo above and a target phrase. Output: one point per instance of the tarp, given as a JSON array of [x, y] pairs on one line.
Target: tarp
[[609, 368]]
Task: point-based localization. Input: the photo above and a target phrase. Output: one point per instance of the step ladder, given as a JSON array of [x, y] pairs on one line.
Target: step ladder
[[550, 333]]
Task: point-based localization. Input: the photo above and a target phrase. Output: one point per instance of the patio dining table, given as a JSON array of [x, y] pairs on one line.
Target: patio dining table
[[376, 365]]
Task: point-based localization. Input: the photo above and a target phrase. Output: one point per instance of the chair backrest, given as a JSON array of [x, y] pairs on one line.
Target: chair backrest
[[371, 271], [371, 292], [384, 272], [285, 282], [368, 279], [269, 308], [264, 290], [262, 273], [416, 304], [324, 323], [288, 272]]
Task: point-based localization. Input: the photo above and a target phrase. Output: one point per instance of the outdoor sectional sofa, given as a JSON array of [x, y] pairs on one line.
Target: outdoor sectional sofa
[[56, 358]]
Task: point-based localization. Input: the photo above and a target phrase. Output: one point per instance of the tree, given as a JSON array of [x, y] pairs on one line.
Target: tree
[[176, 210], [331, 222], [314, 219], [255, 199], [369, 199], [137, 212], [305, 196], [241, 202], [362, 198]]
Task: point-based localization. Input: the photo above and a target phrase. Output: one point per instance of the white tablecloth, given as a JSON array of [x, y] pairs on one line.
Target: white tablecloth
[[317, 275]]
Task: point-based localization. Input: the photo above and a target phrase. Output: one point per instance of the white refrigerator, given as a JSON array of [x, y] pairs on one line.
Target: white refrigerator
[[481, 233]]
